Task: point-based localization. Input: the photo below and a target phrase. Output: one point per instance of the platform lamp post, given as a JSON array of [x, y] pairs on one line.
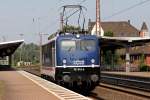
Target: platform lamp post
[[127, 58]]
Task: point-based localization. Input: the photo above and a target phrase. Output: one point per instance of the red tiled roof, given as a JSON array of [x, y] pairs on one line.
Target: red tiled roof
[[120, 28]]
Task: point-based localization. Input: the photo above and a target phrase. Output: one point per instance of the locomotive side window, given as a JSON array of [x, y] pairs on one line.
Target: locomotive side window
[[68, 45], [48, 55], [87, 45]]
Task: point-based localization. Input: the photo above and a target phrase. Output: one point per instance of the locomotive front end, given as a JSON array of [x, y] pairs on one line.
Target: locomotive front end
[[78, 60]]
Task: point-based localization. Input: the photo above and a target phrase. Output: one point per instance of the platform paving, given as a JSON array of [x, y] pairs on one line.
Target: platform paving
[[18, 87]]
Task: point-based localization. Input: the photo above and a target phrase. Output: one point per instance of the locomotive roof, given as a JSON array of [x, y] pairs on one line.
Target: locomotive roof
[[67, 34], [49, 41]]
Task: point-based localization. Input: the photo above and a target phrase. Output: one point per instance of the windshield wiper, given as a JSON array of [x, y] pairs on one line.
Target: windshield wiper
[[70, 49]]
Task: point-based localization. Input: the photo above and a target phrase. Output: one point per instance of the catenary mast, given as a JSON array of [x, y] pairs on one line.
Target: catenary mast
[[98, 19]]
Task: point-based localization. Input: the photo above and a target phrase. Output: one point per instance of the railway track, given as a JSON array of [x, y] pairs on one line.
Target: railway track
[[133, 85], [142, 94], [111, 92], [138, 83], [34, 71]]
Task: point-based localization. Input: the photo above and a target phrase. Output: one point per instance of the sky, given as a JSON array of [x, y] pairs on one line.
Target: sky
[[29, 17]]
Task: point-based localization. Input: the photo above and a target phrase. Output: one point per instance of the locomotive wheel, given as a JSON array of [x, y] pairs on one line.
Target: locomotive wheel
[[87, 87]]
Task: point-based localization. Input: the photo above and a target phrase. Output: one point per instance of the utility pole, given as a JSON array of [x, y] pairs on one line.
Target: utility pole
[[41, 36], [98, 20], [4, 39], [40, 42], [40, 50]]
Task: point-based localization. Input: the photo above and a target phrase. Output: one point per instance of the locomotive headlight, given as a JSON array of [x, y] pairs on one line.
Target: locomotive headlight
[[64, 61], [66, 78], [94, 78], [78, 36], [93, 61]]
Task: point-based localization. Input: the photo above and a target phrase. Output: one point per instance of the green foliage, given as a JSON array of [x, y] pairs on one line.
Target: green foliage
[[142, 63], [52, 36], [67, 28], [110, 58], [70, 28], [144, 68], [109, 33], [107, 57], [120, 61], [28, 53]]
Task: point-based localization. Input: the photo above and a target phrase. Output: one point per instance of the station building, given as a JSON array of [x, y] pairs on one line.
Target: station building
[[4, 60], [126, 29], [142, 50], [6, 51]]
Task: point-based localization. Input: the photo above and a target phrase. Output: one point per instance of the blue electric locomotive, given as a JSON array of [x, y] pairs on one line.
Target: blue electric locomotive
[[72, 59]]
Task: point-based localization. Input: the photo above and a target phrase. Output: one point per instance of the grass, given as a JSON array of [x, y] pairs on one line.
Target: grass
[[1, 90]]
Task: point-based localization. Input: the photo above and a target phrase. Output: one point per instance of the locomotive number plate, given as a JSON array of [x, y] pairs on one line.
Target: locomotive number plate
[[78, 62], [79, 69]]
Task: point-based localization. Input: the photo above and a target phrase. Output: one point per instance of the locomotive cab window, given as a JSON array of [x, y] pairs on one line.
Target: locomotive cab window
[[68, 45], [87, 45]]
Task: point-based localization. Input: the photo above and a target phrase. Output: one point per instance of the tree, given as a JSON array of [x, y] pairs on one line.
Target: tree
[[29, 53], [70, 28], [142, 65], [109, 33], [67, 28]]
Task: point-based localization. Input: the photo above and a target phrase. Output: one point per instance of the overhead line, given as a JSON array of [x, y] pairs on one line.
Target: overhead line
[[42, 17], [82, 2], [127, 9]]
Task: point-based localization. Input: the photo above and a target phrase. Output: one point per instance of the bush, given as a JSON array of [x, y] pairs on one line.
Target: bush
[[144, 68], [109, 33]]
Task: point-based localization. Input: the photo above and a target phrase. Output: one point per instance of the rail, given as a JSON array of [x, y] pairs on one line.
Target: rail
[[136, 83]]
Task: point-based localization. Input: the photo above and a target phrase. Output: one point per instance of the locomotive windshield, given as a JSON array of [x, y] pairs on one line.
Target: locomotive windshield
[[68, 45], [87, 45], [83, 45]]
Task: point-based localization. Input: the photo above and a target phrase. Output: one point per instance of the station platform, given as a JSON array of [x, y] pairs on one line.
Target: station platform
[[20, 85], [136, 74]]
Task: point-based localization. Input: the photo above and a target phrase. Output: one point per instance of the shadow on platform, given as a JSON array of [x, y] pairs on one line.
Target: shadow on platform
[[6, 68], [95, 96]]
